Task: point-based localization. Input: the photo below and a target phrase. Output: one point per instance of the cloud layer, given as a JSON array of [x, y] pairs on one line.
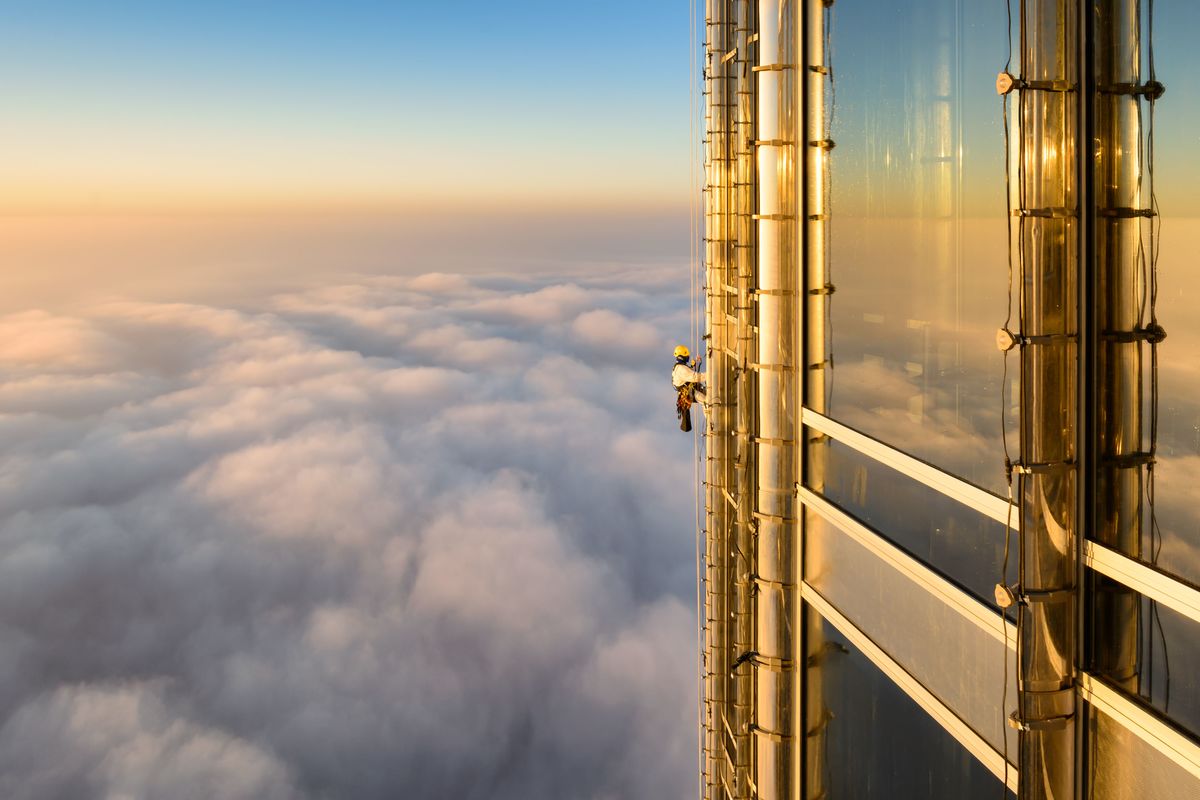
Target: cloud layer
[[421, 537]]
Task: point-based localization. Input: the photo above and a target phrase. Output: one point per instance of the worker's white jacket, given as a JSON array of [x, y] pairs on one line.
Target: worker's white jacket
[[684, 374]]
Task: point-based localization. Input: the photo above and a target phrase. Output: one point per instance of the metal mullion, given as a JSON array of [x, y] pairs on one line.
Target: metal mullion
[[1156, 585], [971, 609], [800, 188], [1086, 369], [1174, 745], [975, 744], [924, 473]]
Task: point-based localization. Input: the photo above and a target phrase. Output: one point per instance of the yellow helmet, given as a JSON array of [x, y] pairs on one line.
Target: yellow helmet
[[681, 351]]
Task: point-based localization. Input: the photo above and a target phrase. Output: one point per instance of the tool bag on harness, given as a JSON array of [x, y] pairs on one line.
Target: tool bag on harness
[[683, 407]]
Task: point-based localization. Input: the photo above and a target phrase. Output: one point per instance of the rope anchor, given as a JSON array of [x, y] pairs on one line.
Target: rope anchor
[[1006, 83]]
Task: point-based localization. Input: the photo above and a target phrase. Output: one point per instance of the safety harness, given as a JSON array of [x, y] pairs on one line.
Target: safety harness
[[684, 401], [683, 406]]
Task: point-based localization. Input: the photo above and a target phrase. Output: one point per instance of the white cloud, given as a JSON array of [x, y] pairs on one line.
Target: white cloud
[[412, 535], [606, 333], [127, 742], [542, 306]]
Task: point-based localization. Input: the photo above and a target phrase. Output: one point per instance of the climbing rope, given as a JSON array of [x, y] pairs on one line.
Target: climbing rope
[[1004, 389], [829, 117], [694, 248], [1155, 224]]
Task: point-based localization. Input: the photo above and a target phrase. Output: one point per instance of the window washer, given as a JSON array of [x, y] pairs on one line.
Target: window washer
[[689, 386]]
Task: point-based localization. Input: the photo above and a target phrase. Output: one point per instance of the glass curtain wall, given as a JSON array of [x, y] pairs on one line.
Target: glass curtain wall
[[917, 230], [924, 631], [1172, 542], [915, 244], [907, 259], [907, 276], [1147, 173], [878, 743]]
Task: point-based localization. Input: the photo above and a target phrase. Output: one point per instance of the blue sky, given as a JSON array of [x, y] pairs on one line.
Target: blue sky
[[360, 102]]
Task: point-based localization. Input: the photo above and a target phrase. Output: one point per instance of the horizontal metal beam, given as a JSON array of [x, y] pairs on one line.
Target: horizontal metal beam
[[975, 744], [971, 609], [1159, 586], [1174, 745], [940, 481], [1173, 593]]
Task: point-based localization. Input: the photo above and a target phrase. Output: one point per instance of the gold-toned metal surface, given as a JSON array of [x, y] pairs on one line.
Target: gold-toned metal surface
[[928, 701], [958, 650], [776, 689], [1046, 133], [817, 455]]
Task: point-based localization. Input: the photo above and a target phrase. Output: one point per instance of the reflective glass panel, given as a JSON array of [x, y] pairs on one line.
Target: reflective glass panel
[[1149, 504], [872, 741], [1122, 766], [917, 232], [1148, 650], [1172, 538], [959, 542], [962, 664]]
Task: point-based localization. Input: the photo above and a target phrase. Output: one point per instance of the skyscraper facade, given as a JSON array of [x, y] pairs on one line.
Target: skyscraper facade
[[952, 548]]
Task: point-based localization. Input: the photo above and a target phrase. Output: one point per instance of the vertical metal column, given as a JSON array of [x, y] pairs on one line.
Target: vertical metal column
[[745, 202], [718, 192], [1121, 294], [1049, 266], [816, 147], [777, 690]]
